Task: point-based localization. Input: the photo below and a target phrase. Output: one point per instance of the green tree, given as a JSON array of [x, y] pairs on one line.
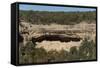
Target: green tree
[[87, 50]]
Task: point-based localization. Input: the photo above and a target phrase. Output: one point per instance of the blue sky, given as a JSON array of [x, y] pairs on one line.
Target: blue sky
[[53, 8]]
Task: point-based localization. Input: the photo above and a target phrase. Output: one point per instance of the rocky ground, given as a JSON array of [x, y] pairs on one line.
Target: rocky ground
[[82, 30]]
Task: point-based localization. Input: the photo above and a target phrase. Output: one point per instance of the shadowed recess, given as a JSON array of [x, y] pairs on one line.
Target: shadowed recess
[[61, 38]]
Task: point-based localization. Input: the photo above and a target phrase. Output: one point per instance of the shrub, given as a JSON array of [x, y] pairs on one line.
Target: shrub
[[25, 53], [87, 50], [39, 55], [73, 54]]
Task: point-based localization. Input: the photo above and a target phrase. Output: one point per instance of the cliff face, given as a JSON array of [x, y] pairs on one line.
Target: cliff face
[[32, 31]]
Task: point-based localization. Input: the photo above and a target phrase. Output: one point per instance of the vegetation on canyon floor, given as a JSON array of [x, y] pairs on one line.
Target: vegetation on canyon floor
[[30, 54]]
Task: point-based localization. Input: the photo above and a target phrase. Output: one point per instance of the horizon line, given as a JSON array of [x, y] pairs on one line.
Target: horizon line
[[54, 8]]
